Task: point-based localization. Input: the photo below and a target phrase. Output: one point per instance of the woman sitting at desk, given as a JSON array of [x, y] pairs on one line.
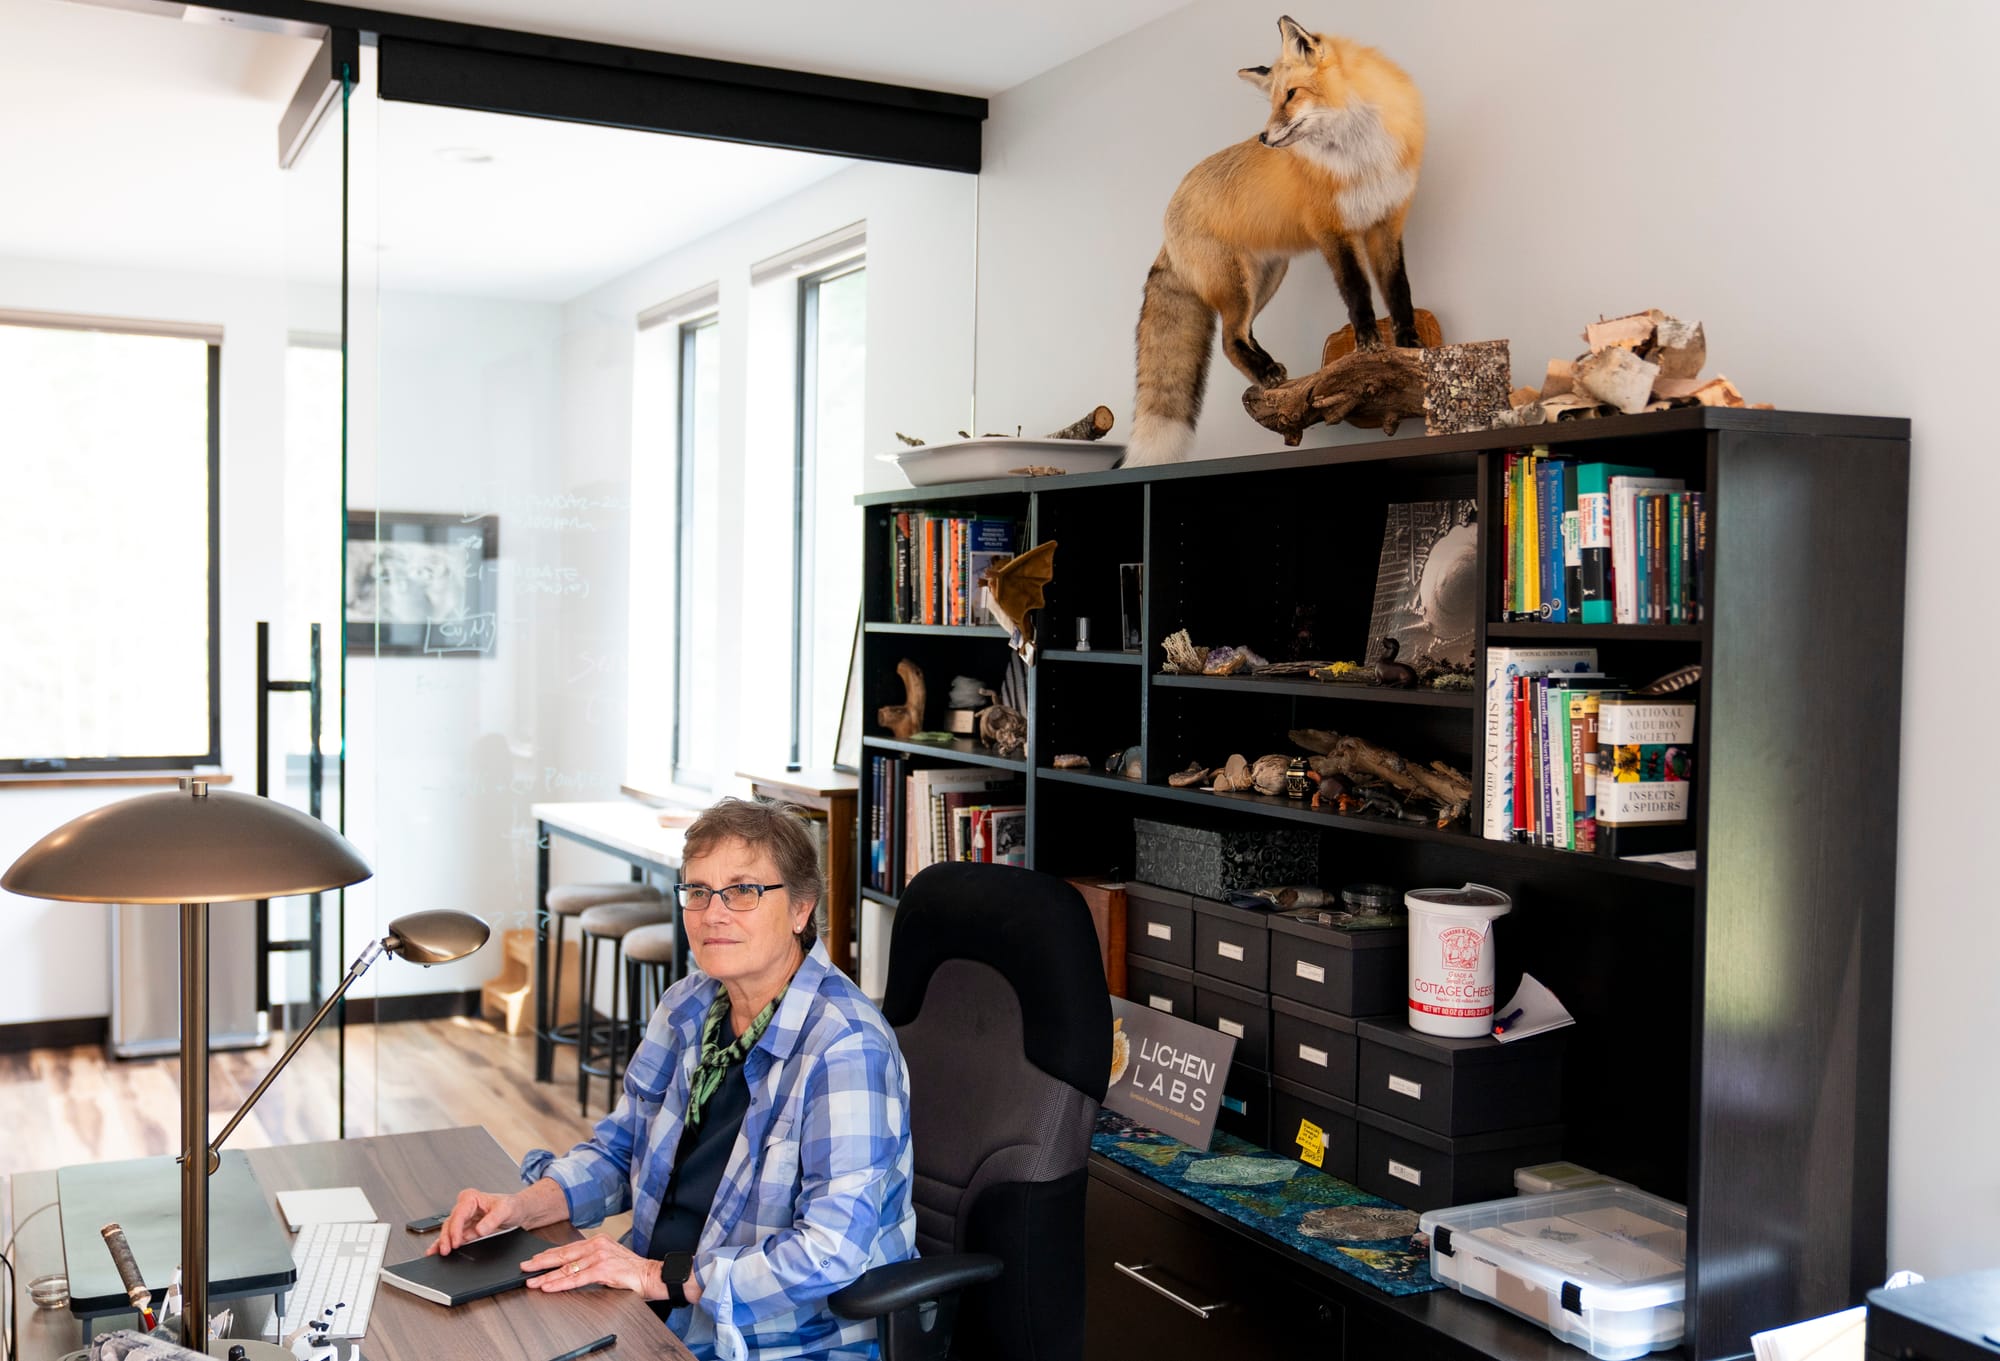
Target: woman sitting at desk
[[763, 1140]]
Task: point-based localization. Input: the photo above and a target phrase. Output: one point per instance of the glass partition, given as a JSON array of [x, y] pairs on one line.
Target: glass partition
[[552, 430], [170, 436], [602, 546]]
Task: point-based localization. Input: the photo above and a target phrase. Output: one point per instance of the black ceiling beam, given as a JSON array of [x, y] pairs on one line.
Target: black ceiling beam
[[497, 70], [716, 104]]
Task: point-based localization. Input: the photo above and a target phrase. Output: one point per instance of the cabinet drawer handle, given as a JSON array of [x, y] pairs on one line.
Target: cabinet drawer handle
[[1201, 1311]]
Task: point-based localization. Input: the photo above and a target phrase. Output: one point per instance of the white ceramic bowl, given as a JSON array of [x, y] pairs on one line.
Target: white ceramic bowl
[[974, 460]]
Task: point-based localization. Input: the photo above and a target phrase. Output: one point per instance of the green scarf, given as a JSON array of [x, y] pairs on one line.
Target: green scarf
[[718, 1058]]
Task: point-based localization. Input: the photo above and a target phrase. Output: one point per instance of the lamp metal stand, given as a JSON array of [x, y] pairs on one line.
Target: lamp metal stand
[[194, 1122]]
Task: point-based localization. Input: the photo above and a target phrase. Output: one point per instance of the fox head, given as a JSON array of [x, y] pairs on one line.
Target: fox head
[[1305, 86]]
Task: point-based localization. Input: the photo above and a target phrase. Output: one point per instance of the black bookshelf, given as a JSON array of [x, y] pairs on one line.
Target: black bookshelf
[[1732, 1051]]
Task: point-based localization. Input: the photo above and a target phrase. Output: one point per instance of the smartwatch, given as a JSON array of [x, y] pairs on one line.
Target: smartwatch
[[675, 1268]]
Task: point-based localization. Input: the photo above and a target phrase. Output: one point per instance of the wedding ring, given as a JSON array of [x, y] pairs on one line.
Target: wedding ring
[[574, 1268]]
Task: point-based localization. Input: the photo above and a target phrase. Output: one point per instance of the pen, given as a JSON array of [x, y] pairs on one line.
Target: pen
[[1500, 1026], [609, 1339]]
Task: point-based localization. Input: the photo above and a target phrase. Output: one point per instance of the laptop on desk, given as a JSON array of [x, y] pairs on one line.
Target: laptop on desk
[[249, 1252]]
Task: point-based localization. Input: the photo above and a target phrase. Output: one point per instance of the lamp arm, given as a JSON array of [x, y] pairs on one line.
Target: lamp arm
[[368, 957]]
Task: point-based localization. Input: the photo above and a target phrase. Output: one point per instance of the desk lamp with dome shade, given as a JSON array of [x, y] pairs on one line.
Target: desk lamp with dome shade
[[195, 847]]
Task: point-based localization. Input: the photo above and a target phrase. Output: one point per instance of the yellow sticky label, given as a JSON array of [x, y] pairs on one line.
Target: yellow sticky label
[[1312, 1143]]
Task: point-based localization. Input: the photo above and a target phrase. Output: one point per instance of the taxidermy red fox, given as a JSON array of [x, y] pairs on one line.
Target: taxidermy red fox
[[1333, 170]]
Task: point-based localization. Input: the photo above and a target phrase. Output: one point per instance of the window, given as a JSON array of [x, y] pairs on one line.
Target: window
[[314, 525], [672, 670], [109, 451], [697, 660], [826, 531]]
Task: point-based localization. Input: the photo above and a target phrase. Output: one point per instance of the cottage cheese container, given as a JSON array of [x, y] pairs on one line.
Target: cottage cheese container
[[1451, 958]]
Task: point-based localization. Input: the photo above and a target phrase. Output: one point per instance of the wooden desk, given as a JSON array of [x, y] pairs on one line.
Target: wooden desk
[[837, 795], [404, 1176], [628, 830]]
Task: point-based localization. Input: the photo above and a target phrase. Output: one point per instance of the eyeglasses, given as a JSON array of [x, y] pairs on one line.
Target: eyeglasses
[[735, 897]]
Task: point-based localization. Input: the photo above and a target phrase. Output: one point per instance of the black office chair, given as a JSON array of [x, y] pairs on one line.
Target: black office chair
[[996, 989]]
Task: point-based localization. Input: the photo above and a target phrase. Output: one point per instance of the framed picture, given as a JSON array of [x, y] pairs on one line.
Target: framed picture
[[1426, 583], [422, 585], [847, 743]]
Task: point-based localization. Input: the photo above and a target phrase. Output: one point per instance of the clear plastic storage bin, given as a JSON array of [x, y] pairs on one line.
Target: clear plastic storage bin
[[1604, 1269], [1545, 1177]]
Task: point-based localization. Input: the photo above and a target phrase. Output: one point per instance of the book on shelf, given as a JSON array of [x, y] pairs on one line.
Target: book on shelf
[[964, 809], [885, 781], [1599, 543], [1000, 835], [938, 562], [1631, 546], [927, 837], [1645, 773], [1571, 710], [1593, 509], [1503, 773]]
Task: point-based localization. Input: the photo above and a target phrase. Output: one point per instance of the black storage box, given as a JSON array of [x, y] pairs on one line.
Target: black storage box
[[1459, 1086], [1354, 973], [1246, 1104], [1232, 943], [1163, 987], [1159, 924], [1242, 1013], [1313, 1048], [1420, 1170], [1293, 1108], [1954, 1319], [1211, 864]]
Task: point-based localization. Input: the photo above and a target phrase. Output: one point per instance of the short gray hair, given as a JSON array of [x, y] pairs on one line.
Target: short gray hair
[[783, 830]]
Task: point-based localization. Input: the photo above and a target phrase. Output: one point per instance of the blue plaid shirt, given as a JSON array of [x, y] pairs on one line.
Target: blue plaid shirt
[[825, 1197]]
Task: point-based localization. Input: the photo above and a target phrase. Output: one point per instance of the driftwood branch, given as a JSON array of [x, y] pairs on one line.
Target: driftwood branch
[[1375, 388], [1096, 425], [1362, 761], [903, 719]]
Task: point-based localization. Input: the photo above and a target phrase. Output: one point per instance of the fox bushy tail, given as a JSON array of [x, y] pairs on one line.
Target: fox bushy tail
[[1176, 333]]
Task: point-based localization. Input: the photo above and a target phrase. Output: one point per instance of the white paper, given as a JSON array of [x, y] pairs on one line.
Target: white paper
[[1837, 1337], [334, 1205], [1540, 1011], [1673, 860]]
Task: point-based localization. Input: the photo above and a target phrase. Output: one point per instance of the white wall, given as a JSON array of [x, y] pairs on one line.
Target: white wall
[[1814, 181], [53, 955]]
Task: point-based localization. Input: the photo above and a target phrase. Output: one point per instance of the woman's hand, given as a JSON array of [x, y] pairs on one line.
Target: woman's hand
[[481, 1214], [476, 1214], [600, 1261]]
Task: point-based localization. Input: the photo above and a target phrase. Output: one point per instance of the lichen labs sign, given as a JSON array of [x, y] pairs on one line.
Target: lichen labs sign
[[1167, 1073]]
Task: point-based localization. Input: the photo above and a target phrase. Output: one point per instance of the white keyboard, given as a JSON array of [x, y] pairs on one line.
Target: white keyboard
[[339, 1265]]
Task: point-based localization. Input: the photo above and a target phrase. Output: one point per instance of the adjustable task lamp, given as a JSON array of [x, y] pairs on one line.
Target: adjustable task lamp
[[197, 847]]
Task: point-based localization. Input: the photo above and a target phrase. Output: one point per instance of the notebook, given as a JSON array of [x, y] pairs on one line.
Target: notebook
[[488, 1266]]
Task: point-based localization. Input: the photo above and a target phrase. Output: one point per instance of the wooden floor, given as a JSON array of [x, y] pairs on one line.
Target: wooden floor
[[66, 1106]]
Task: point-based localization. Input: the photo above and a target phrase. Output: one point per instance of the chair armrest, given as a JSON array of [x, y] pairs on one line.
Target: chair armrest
[[900, 1285]]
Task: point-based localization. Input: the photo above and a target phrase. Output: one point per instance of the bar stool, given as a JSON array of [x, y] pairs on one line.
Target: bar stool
[[607, 924], [649, 967], [573, 900]]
